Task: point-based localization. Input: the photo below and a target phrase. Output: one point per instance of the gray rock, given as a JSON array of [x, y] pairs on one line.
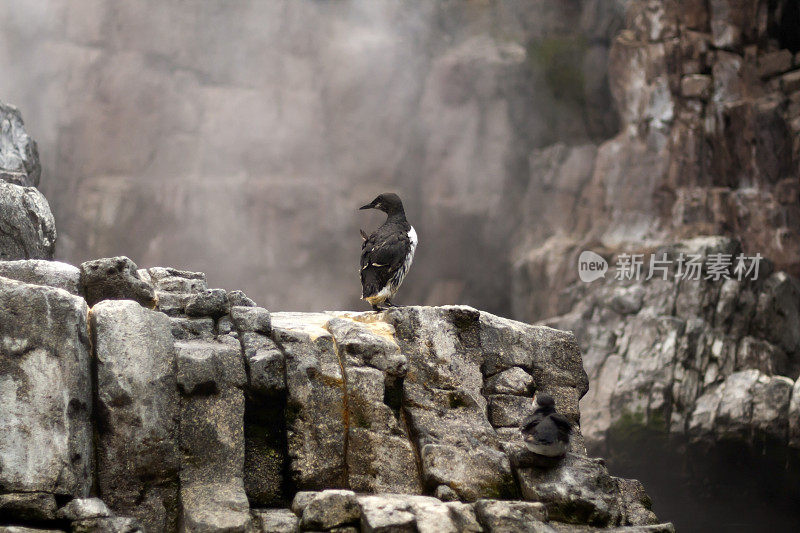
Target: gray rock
[[577, 491], [46, 396], [191, 328], [275, 521], [173, 303], [405, 512], [497, 516], [167, 279], [778, 312], [83, 509], [315, 402], [198, 369], [212, 437], [239, 299], [636, 504], [443, 403], [138, 402], [27, 227], [331, 508], [225, 326], [214, 507], [40, 272], [19, 157], [508, 411], [118, 524], [28, 506], [265, 364], [209, 366], [212, 442], [251, 319], [511, 381], [211, 302], [114, 278], [380, 457], [301, 500]]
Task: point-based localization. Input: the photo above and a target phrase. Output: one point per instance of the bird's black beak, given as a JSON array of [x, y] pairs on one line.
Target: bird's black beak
[[368, 206]]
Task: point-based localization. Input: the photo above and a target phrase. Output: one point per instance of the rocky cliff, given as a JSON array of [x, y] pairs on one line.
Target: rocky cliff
[[141, 400], [167, 406]]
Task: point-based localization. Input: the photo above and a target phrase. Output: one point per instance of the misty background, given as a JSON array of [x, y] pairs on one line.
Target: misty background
[[238, 138]]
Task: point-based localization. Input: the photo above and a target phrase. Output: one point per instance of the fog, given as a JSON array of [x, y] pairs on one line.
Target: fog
[[238, 138]]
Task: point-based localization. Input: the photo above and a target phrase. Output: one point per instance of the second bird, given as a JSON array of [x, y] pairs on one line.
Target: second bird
[[386, 255]]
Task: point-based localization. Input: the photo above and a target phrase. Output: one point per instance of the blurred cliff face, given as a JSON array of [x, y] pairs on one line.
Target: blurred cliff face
[[239, 137]]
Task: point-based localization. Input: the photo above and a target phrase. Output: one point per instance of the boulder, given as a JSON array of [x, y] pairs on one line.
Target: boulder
[[239, 299], [172, 280], [41, 272], [137, 398], [210, 302], [45, 391], [19, 157], [27, 227], [114, 278], [577, 491], [251, 319], [265, 364]]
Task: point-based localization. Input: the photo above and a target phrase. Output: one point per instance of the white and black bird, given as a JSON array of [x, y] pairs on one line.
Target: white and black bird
[[546, 432], [386, 255]]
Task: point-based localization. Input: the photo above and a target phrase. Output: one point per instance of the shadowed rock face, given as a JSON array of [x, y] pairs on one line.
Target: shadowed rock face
[[703, 373], [200, 418]]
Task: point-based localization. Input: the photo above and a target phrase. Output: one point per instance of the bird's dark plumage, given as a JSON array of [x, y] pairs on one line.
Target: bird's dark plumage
[[546, 432], [386, 255]]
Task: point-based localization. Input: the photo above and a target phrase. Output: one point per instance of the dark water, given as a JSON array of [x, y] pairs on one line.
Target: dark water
[[727, 488]]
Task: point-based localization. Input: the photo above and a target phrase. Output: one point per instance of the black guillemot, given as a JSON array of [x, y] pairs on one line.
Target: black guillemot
[[386, 255], [546, 432]]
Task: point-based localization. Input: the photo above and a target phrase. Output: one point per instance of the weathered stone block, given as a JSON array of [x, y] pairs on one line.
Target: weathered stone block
[[40, 272], [27, 227], [251, 319], [45, 391], [138, 404], [210, 302], [114, 278], [19, 157]]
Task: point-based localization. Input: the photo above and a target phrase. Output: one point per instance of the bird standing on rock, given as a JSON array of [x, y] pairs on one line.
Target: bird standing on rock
[[546, 432], [386, 255]]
